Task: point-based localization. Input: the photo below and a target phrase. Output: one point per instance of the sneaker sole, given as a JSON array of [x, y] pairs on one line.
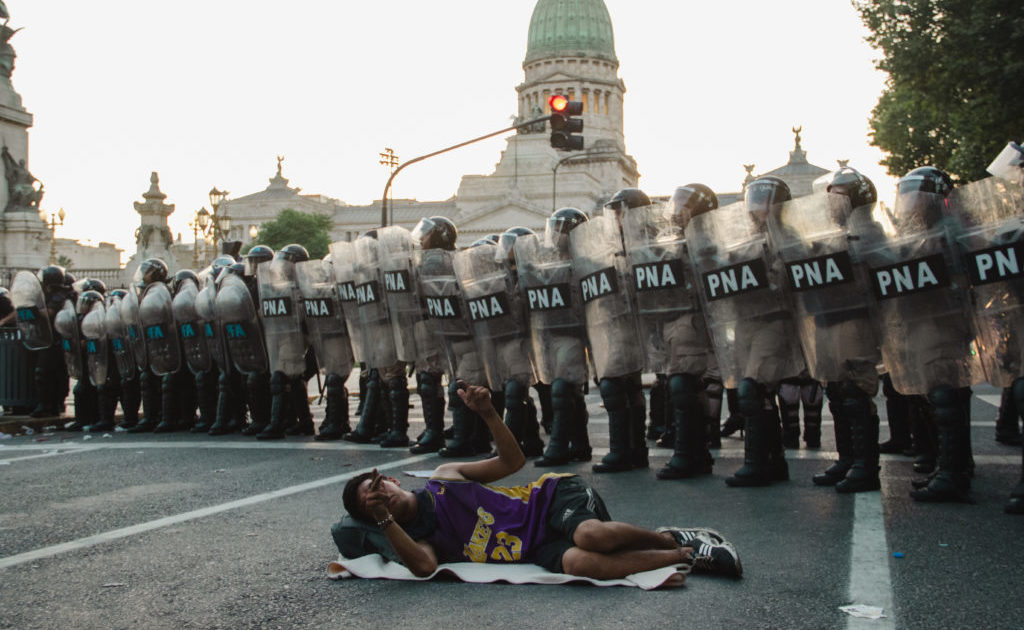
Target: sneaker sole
[[714, 533]]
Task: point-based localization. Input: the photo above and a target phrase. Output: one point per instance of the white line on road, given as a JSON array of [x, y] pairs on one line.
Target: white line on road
[[124, 532], [869, 563]]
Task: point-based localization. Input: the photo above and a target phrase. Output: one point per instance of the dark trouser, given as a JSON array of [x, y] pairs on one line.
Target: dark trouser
[[690, 456]]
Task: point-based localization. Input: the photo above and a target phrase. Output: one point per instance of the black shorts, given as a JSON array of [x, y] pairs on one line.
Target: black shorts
[[573, 502]]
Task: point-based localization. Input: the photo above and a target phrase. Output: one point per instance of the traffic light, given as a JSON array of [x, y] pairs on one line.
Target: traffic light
[[563, 126]]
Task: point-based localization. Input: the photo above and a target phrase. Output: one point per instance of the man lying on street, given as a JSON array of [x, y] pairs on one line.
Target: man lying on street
[[557, 522]]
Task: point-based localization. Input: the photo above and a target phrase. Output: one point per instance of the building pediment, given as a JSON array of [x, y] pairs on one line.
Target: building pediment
[[501, 215]]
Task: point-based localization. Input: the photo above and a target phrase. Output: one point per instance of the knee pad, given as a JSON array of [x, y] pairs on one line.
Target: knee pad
[[333, 381], [789, 393], [278, 383], [683, 388], [454, 400], [613, 393], [428, 385], [751, 397], [515, 393]]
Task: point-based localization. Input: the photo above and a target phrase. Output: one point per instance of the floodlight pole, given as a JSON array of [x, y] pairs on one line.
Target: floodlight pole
[[387, 187]]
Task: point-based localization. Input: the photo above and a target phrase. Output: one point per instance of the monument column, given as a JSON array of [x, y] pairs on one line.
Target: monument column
[[23, 234]]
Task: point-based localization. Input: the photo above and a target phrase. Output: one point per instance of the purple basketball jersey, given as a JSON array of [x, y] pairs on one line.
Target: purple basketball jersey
[[482, 523]]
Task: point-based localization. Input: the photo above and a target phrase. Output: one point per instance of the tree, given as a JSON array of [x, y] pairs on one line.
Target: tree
[[312, 231], [955, 70]]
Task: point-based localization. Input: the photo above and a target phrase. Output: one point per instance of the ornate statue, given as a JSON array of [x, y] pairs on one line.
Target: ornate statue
[[797, 130], [280, 160], [22, 192], [7, 54]]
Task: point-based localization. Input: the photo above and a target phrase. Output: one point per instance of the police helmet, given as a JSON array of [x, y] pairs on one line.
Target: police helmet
[[852, 183], [625, 199], [508, 239], [181, 278], [921, 197], [152, 270], [565, 219], [294, 253], [118, 293], [51, 276], [494, 238], [92, 284], [927, 179], [690, 201], [86, 300], [436, 233]]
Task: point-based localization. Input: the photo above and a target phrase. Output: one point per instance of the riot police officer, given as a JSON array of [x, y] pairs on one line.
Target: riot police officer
[[557, 333], [36, 299], [117, 335], [600, 271]]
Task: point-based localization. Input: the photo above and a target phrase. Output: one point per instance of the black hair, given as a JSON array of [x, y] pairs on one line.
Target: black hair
[[350, 497]]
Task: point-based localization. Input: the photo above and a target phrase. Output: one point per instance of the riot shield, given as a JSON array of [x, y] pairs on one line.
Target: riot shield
[[130, 316], [811, 235], [601, 273], [495, 313], [324, 319], [747, 314], [282, 323], [992, 242], [66, 325], [30, 305], [206, 310], [238, 321], [95, 335], [190, 326], [117, 337], [156, 315], [919, 298], [397, 250], [672, 328], [378, 341], [554, 312], [343, 266], [446, 315]]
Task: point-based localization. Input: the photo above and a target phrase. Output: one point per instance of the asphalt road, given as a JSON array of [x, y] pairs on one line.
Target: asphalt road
[[185, 531]]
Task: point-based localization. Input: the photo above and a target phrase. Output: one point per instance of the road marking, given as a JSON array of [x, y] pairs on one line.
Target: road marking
[[870, 583], [124, 532]]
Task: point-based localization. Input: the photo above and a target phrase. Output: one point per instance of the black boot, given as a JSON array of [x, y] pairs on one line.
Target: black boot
[[616, 403], [86, 409], [224, 417], [711, 401], [638, 451], [925, 434], [763, 461], [563, 405], [690, 457], [735, 421], [206, 394], [170, 405], [660, 414], [432, 401], [150, 390], [463, 427], [812, 398], [897, 412], [579, 443], [547, 414], [952, 482], [131, 398], [863, 475], [106, 403], [259, 401], [281, 414], [299, 402], [1008, 420], [335, 423], [844, 439], [368, 409], [789, 407], [398, 427], [1015, 505]]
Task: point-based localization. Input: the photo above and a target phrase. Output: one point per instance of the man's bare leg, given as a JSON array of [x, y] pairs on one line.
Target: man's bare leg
[[617, 565], [611, 536]]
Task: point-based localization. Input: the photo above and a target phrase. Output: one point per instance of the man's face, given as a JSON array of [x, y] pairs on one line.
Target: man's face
[[396, 500]]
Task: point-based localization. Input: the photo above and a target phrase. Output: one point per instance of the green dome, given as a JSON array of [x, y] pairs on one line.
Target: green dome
[[570, 28]]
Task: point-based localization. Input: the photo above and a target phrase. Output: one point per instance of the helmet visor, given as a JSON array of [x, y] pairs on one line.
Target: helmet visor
[[423, 230], [918, 209], [504, 250]]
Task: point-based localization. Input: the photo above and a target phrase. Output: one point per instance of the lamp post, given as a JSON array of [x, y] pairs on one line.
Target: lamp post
[[53, 224], [213, 226], [390, 159]]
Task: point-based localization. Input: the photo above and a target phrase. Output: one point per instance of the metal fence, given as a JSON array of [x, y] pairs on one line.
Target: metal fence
[[113, 278]]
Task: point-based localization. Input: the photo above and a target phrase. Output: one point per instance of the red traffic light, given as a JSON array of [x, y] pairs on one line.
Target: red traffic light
[[558, 103]]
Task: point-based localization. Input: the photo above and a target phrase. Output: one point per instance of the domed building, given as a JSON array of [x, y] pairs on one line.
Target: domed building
[[570, 51]]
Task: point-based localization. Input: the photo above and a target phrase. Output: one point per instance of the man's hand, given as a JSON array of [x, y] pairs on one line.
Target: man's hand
[[477, 398], [376, 498]]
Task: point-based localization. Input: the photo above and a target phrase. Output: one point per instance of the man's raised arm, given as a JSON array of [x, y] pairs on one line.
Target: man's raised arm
[[510, 457]]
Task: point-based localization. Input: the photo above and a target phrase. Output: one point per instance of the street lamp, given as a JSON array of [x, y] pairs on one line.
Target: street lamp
[[53, 224], [212, 225]]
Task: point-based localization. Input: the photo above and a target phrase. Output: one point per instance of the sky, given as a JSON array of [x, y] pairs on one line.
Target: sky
[[209, 93]]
